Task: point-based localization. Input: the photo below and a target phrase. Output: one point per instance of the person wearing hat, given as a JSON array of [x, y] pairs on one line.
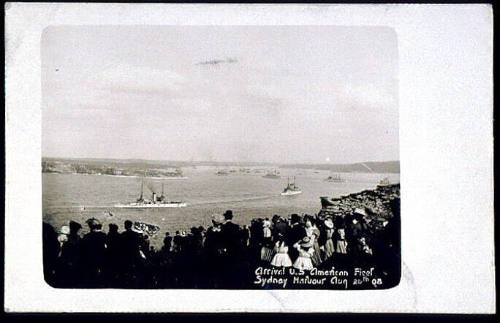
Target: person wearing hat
[[328, 246], [266, 252], [230, 233], [266, 227], [70, 251], [295, 234], [213, 246], [281, 257], [305, 251], [280, 228], [131, 244], [93, 248], [341, 247], [63, 234]]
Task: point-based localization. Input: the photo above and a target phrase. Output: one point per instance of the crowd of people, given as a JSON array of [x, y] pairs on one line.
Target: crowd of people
[[223, 255]]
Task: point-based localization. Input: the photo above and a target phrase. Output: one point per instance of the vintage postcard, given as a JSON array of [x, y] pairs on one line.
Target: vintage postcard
[[216, 157], [239, 157]]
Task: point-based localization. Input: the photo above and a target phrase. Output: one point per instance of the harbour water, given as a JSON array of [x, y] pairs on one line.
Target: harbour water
[[78, 197]]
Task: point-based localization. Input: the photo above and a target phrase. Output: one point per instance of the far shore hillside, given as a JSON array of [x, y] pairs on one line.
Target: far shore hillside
[[104, 166]]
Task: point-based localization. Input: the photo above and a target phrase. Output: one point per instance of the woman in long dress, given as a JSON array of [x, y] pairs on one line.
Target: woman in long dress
[[281, 257], [328, 247], [305, 248], [266, 252]]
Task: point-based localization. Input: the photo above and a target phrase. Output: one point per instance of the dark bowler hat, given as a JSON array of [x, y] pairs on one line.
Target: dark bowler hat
[[295, 218], [228, 215]]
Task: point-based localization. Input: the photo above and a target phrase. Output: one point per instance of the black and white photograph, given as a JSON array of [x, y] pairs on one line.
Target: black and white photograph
[[220, 157], [269, 158]]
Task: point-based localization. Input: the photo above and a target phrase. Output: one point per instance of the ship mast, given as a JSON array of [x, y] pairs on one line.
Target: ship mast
[[142, 189]]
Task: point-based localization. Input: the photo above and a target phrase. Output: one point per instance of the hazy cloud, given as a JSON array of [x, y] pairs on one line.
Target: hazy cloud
[[218, 61], [279, 94]]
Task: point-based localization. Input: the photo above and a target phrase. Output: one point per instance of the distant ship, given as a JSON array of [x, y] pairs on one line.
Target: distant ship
[[272, 174], [291, 189], [222, 172], [156, 201], [175, 173], [335, 179], [384, 181]]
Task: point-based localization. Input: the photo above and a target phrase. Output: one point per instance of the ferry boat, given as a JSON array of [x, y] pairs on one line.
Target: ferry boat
[[155, 202], [272, 174], [335, 179], [291, 189]]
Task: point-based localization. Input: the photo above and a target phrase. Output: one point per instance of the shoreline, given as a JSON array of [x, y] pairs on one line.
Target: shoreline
[[123, 176]]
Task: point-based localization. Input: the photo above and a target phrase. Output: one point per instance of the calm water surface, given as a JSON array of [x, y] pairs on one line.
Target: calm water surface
[[248, 195]]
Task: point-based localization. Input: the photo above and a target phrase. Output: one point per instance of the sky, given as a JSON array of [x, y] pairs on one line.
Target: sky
[[279, 94]]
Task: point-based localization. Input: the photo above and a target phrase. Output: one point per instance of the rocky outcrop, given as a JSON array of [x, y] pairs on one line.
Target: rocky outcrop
[[378, 205]]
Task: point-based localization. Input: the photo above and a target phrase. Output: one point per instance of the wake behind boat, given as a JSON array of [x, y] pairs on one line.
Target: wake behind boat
[[291, 189], [155, 202]]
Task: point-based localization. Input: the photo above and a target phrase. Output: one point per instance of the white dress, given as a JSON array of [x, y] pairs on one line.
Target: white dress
[[304, 262], [281, 258]]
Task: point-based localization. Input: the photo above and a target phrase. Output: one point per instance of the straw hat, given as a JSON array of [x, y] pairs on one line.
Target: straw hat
[[65, 229], [218, 218], [360, 211], [306, 242]]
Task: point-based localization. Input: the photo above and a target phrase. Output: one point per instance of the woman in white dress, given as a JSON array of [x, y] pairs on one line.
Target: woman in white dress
[[305, 248], [341, 242], [281, 257], [266, 252], [329, 247]]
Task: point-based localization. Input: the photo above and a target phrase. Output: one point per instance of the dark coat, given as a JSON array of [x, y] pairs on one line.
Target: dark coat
[[167, 243], [231, 237], [93, 249], [131, 243]]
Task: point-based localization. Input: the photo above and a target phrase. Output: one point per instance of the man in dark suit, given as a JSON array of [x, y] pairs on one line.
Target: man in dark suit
[[93, 249], [230, 235], [231, 238], [130, 248]]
